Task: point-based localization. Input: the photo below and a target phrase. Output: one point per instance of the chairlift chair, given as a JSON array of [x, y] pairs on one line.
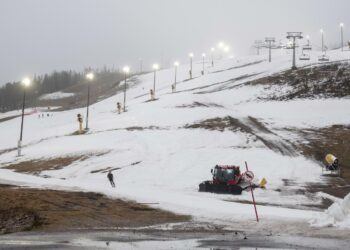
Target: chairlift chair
[[323, 58], [304, 57], [307, 47]]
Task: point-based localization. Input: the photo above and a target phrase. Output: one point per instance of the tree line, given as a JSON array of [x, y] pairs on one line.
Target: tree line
[[11, 94]]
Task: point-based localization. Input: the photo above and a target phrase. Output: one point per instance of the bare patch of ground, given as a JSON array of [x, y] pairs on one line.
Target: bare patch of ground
[[36, 166], [221, 124], [6, 150], [239, 67], [26, 209], [250, 126], [79, 133], [221, 85], [226, 85], [142, 128], [151, 100], [330, 80], [316, 144], [199, 104], [107, 169], [336, 187], [8, 118], [334, 140], [315, 207]]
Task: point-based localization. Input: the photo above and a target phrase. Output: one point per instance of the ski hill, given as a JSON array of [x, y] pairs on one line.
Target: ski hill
[[241, 110]]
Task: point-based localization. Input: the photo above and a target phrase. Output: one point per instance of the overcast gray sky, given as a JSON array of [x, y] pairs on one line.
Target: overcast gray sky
[[39, 36]]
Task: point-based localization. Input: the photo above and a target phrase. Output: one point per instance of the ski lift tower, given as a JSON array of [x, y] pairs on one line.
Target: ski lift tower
[[294, 36], [269, 41], [258, 44]]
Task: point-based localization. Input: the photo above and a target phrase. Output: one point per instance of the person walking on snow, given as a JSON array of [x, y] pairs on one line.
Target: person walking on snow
[[110, 178]]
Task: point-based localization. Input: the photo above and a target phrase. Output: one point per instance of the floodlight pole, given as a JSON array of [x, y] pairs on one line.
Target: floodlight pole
[[294, 36], [23, 106], [342, 36], [89, 77], [154, 82], [176, 64], [21, 134], [322, 41], [124, 109], [87, 108], [294, 67], [175, 74], [203, 57], [190, 67], [25, 83]]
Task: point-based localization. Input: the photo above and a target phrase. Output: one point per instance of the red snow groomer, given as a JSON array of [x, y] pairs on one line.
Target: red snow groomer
[[228, 179]]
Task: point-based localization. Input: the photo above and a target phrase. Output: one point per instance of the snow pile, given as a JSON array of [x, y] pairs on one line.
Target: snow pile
[[338, 214], [56, 95]]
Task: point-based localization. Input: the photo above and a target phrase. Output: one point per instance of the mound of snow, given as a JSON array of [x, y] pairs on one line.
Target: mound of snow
[[56, 95], [338, 214]]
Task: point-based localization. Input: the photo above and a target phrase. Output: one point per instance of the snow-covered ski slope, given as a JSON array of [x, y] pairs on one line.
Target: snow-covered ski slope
[[161, 160]]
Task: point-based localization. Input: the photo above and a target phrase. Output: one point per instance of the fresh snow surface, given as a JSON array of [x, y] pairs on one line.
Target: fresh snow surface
[[56, 95], [162, 162], [338, 214]]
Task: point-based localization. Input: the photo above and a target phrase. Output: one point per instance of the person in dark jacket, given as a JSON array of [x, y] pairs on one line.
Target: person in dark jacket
[[110, 178]]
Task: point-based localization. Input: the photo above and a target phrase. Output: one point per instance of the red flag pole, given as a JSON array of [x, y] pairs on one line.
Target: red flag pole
[[251, 189]]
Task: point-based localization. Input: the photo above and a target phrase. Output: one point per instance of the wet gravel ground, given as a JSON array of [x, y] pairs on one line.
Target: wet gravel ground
[[164, 240]]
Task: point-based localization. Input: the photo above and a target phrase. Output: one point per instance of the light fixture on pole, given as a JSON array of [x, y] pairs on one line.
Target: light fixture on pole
[[226, 49], [269, 41], [191, 56], [212, 56], [155, 68], [25, 83], [294, 36], [176, 64], [203, 58], [89, 76], [126, 71], [322, 40], [221, 46], [342, 36]]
